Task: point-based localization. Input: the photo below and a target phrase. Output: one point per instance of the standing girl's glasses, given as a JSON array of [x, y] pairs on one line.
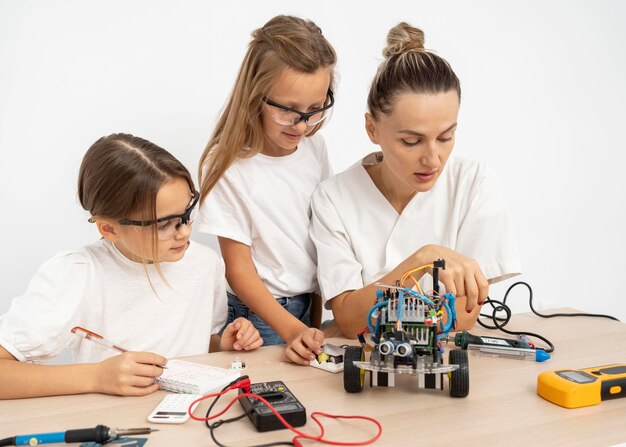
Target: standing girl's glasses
[[288, 116]]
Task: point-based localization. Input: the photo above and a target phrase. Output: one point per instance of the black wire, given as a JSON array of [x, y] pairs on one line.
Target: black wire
[[497, 325], [212, 427], [500, 322]]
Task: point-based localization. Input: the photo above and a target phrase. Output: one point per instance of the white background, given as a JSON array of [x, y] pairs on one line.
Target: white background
[[544, 97]]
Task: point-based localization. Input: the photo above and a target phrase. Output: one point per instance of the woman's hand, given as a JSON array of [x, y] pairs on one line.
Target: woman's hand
[[240, 335], [462, 276], [129, 374], [303, 348]]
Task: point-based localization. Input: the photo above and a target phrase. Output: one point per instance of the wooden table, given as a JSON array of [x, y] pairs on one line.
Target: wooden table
[[501, 409]]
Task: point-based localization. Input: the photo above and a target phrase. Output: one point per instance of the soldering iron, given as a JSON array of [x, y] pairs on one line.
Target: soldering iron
[[100, 434]]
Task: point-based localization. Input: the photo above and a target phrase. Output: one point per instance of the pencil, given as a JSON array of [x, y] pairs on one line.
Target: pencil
[[96, 338]]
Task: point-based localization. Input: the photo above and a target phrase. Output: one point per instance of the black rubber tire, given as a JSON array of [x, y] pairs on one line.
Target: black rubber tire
[[353, 376], [459, 378]]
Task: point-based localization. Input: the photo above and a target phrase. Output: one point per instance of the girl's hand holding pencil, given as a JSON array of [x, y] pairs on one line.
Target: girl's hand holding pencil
[[128, 374]]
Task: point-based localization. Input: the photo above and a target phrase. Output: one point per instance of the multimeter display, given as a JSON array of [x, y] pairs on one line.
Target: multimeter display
[[571, 388], [576, 376]]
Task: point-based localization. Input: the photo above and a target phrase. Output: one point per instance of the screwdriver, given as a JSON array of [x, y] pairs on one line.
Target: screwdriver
[[500, 347], [100, 434], [464, 338]]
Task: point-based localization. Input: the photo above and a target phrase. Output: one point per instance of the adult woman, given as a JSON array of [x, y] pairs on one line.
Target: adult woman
[[410, 204]]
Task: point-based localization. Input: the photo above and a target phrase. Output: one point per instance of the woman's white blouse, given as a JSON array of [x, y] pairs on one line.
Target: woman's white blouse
[[360, 237]]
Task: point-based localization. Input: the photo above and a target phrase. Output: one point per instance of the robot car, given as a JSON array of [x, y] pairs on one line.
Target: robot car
[[409, 328]]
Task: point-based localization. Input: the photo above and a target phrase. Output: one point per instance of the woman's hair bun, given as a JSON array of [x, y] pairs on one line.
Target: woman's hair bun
[[403, 38]]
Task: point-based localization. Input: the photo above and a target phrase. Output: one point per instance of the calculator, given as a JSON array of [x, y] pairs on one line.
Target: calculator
[[173, 408]]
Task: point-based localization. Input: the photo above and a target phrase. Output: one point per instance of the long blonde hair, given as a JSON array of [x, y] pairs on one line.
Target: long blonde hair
[[283, 42]]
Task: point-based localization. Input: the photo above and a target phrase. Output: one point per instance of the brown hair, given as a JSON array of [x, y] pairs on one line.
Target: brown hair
[[121, 175], [283, 42], [408, 67]]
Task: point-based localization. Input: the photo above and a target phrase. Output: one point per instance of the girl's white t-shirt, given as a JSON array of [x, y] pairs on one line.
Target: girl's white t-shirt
[[360, 237], [101, 290], [265, 202]]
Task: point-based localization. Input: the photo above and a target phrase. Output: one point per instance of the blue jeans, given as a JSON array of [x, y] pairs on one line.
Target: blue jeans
[[299, 306]]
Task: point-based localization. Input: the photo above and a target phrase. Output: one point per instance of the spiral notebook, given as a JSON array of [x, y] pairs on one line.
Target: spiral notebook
[[194, 378]]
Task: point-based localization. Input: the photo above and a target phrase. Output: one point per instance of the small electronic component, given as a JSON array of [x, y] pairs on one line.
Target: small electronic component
[[237, 364], [279, 396], [330, 359], [573, 388]]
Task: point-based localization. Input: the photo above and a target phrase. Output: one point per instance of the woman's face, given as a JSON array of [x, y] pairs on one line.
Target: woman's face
[[416, 138]]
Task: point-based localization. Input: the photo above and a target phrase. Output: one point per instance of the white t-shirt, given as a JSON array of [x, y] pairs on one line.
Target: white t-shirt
[[265, 203], [360, 237], [101, 290]]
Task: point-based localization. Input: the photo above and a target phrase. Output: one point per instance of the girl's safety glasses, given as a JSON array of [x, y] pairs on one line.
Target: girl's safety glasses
[[168, 226], [288, 116]]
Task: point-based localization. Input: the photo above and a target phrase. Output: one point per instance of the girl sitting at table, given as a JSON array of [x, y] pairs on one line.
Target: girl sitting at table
[[144, 285]]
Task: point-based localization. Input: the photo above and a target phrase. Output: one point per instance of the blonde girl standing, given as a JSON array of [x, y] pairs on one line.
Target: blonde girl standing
[[258, 172]]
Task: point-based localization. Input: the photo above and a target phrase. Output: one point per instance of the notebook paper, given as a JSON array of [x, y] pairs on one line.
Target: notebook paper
[[194, 378]]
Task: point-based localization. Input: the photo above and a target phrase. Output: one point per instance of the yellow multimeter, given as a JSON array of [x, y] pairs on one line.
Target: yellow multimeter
[[573, 388]]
